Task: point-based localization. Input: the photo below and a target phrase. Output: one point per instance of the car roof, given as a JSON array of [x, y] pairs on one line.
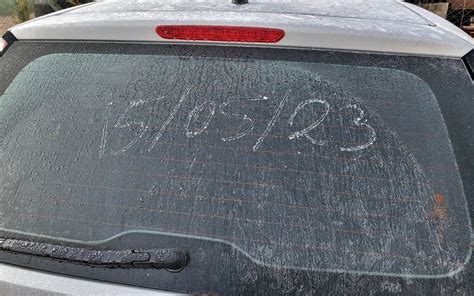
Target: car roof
[[387, 26]]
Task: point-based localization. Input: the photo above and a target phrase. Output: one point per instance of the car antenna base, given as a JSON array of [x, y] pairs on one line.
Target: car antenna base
[[240, 2]]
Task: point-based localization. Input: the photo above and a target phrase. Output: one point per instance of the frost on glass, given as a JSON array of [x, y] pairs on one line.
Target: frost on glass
[[298, 165]]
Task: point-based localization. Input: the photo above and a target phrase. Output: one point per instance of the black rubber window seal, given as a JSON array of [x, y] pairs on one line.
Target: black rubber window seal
[[468, 60], [10, 39]]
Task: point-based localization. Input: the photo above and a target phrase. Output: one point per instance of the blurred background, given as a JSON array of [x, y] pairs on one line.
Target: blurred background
[[459, 12]]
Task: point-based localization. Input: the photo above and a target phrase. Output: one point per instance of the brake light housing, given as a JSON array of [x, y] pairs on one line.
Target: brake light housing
[[220, 33]]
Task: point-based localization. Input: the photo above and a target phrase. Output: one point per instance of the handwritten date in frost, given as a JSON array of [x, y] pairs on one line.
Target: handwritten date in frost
[[207, 111]]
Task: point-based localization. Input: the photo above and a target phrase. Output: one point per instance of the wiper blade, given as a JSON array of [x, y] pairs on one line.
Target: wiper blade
[[173, 260]]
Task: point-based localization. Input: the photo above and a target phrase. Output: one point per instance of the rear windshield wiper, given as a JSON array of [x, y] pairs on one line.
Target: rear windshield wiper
[[171, 259]]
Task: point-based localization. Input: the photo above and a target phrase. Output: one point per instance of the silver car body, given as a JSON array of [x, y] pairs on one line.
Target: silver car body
[[385, 26]]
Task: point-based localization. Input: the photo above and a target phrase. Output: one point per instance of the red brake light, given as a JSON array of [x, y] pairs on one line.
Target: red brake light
[[221, 33]]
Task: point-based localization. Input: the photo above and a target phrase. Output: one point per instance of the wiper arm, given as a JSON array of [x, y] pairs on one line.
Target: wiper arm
[[171, 259]]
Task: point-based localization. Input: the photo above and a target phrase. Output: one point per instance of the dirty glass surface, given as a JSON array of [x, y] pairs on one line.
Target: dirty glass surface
[[294, 164]]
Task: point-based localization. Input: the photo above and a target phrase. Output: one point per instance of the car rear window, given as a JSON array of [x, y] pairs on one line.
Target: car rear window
[[295, 164]]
